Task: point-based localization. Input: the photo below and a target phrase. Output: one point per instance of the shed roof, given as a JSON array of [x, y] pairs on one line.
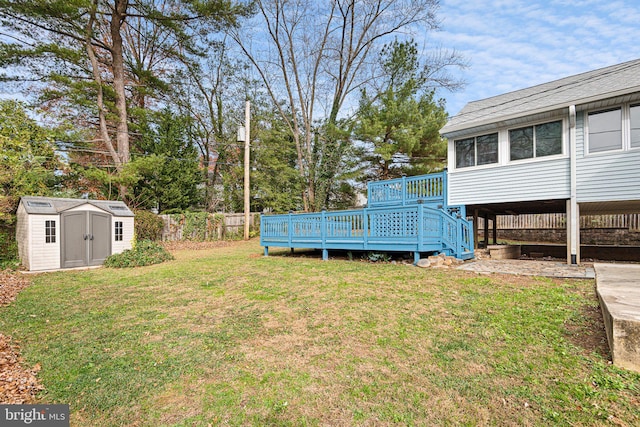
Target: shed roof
[[53, 205], [580, 89]]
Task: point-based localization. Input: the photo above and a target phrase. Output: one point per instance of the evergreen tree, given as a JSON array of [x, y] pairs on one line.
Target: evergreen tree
[[28, 157], [99, 58], [167, 169], [399, 123]]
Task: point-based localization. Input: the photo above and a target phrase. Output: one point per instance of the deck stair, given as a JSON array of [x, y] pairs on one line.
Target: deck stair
[[408, 214]]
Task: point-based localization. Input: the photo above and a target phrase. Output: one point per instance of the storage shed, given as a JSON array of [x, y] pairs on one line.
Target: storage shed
[[54, 233]]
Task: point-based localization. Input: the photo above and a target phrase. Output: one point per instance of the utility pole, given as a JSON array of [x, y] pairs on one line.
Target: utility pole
[[247, 138]]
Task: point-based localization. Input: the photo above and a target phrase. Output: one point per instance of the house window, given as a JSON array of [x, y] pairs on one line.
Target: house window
[[605, 130], [536, 141], [50, 231], [634, 113], [118, 228], [480, 150]]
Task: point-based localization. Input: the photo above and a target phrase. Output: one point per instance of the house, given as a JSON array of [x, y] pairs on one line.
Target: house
[[54, 233], [571, 145]]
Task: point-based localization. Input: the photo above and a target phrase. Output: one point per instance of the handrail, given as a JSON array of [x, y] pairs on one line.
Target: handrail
[[408, 190], [417, 226]]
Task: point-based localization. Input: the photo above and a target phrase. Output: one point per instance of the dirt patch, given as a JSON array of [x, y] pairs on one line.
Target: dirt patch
[[589, 334], [17, 384]]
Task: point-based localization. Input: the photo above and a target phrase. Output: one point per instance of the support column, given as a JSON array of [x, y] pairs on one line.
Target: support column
[[486, 230], [573, 210], [573, 233], [495, 229], [475, 229]]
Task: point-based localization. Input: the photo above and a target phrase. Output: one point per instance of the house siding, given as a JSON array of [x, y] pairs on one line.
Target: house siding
[[535, 180], [608, 176], [43, 256]]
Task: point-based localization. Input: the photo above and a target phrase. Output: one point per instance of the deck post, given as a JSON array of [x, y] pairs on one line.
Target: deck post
[[290, 228], [266, 251], [323, 234], [365, 228], [444, 190], [475, 229], [416, 257], [404, 190], [420, 225]]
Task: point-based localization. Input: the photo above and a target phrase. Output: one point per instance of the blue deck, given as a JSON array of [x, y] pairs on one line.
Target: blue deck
[[404, 215]]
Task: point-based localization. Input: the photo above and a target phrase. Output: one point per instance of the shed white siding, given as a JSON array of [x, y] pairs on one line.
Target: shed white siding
[[127, 234], [42, 255], [606, 176], [539, 180]]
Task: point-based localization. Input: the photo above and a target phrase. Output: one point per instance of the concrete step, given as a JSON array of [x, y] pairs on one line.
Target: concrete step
[[618, 289]]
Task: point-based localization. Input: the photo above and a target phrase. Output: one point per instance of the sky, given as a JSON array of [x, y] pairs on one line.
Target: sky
[[514, 44]]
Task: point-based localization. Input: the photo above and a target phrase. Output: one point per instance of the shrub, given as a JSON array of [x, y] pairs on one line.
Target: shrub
[[148, 226], [198, 226], [8, 249], [378, 257], [144, 253]]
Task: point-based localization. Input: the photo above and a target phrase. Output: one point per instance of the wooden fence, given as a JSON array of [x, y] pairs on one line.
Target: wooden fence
[[619, 230], [216, 227], [559, 221]]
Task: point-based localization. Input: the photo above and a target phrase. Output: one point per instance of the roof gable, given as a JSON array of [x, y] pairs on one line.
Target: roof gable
[[574, 90], [54, 205]]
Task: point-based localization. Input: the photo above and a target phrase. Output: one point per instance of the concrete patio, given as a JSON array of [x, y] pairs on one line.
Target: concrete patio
[[618, 289]]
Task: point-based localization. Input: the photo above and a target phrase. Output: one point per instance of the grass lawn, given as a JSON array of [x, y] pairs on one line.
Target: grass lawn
[[226, 336]]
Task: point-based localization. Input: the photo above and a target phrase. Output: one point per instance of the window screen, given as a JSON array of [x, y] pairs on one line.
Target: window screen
[[635, 126], [605, 130]]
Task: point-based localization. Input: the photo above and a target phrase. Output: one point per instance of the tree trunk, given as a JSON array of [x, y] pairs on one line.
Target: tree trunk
[[122, 127]]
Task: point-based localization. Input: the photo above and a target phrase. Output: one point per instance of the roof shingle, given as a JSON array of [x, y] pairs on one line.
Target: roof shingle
[[574, 90]]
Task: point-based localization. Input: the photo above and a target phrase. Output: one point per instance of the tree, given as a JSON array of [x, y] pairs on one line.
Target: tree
[[90, 53], [276, 185], [311, 56], [27, 153], [212, 92], [400, 122], [167, 171]]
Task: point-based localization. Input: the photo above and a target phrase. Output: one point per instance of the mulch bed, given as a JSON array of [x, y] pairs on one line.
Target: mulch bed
[[17, 383]]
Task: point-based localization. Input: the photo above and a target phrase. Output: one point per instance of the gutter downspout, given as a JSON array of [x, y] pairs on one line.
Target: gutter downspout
[[574, 225]]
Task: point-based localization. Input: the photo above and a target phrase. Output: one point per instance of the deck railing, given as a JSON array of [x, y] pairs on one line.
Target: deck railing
[[414, 228], [430, 189]]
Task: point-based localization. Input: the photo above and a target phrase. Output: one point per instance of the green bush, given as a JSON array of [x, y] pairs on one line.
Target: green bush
[[198, 226], [8, 248], [148, 226], [144, 253]]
